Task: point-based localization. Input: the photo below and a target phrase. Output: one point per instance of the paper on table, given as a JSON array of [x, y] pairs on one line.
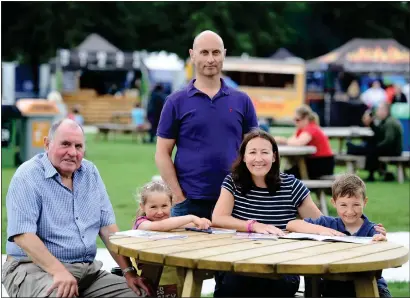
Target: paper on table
[[348, 239], [255, 236], [150, 234]]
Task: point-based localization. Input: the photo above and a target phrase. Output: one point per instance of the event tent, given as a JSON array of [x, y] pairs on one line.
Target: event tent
[[365, 56]]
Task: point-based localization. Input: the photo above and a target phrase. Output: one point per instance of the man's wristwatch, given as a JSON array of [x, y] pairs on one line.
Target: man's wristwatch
[[128, 269]]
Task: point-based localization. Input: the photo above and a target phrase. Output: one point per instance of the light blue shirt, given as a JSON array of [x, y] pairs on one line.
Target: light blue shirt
[[138, 116], [68, 222]]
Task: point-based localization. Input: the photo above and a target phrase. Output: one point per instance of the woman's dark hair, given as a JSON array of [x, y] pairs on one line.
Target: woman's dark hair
[[240, 172]]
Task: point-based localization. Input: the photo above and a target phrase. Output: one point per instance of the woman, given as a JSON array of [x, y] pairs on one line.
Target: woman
[[256, 197], [309, 133]]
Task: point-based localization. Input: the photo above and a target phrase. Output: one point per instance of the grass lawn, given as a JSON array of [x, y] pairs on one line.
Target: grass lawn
[[125, 166]]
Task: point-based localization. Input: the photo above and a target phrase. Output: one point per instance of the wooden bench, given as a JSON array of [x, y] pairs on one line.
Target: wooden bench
[[400, 161], [351, 161], [106, 128], [319, 187]]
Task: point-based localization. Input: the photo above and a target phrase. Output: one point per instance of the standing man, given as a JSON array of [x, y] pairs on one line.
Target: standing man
[[206, 121], [57, 204]]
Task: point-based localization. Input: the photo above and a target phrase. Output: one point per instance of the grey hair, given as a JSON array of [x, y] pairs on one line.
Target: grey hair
[[56, 125]]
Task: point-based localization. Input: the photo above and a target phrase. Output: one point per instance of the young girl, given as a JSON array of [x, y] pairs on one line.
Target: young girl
[[155, 209], [154, 215]]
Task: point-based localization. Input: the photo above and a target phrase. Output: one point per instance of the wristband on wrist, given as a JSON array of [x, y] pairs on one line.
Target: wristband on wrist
[[128, 269], [250, 225]]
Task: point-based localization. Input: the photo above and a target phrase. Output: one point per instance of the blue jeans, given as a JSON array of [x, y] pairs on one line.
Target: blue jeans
[[198, 207]]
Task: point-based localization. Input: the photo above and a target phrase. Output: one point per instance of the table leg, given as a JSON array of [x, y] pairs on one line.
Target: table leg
[[153, 273], [302, 168], [312, 286], [340, 150], [193, 283], [366, 286]]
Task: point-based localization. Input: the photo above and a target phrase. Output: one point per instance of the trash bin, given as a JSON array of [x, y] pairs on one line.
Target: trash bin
[[38, 117], [11, 123], [401, 111]]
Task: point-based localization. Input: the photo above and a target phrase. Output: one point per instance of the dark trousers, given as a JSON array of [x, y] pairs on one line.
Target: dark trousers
[[316, 167], [372, 153], [234, 285], [154, 121], [335, 288]]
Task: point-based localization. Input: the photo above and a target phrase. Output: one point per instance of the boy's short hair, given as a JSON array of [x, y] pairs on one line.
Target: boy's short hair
[[348, 185]]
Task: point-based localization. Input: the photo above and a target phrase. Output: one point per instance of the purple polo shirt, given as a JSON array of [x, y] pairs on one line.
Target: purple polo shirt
[[208, 134]]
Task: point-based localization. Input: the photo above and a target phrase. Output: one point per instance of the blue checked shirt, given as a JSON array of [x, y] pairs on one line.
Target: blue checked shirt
[[68, 222]]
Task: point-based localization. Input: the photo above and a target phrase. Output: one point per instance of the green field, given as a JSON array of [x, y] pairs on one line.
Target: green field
[[125, 166]]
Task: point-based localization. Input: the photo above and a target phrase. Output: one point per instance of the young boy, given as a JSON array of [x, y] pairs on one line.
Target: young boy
[[349, 199]]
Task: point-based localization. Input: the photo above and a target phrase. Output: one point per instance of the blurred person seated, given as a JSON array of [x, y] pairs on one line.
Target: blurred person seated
[[353, 91], [387, 141], [309, 133], [398, 95], [374, 96]]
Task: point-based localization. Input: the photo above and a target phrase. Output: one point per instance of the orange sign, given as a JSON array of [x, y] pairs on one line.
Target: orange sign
[[378, 55], [39, 131]]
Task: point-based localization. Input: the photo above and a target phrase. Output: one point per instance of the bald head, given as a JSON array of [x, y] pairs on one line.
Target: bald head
[[206, 37]]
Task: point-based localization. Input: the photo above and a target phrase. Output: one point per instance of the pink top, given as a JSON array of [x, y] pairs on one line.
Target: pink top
[[139, 221]]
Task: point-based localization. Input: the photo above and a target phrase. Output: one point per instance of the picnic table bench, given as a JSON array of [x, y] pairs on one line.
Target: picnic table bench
[[342, 133], [106, 128], [400, 161], [319, 187]]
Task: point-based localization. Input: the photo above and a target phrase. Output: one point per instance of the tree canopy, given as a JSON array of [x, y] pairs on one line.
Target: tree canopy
[[33, 31]]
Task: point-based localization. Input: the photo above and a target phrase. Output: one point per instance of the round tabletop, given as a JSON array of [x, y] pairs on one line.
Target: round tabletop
[[285, 150], [283, 256]]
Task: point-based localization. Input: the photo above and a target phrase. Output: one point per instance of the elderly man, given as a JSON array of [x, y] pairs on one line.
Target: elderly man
[[206, 121], [387, 141], [56, 205]]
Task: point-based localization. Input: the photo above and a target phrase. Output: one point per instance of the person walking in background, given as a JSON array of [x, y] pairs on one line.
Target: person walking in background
[[309, 133], [387, 141], [206, 121], [155, 106]]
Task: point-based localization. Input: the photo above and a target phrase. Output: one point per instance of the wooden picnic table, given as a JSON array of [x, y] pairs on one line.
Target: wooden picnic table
[[342, 133], [299, 153], [198, 256]]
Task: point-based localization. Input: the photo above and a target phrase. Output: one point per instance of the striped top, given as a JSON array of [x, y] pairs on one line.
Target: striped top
[[67, 221], [258, 204]]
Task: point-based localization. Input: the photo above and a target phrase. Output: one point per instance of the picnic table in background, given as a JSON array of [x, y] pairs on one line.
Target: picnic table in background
[[342, 133], [199, 255], [298, 153]]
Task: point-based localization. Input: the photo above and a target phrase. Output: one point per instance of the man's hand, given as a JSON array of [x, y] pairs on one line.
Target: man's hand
[[66, 284], [330, 232], [136, 282], [367, 119], [267, 229], [178, 199]]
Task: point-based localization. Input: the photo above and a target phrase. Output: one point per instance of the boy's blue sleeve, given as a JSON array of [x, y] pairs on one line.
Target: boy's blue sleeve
[[372, 231], [324, 221]]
